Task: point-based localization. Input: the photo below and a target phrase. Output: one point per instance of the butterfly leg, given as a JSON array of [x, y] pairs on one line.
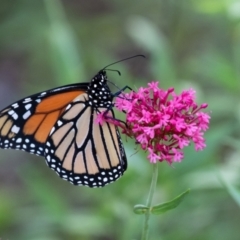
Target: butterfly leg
[[121, 90]]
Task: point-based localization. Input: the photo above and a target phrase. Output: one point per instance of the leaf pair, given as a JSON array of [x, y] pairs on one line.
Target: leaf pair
[[162, 207]]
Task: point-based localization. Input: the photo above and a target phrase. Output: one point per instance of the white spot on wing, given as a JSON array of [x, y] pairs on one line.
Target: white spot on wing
[[26, 114], [11, 112], [15, 105], [15, 116], [26, 100], [105, 179], [28, 106], [68, 106], [59, 123], [53, 129], [15, 129]]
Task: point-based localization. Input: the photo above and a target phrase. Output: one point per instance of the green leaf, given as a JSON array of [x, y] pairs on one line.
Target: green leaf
[[164, 207], [140, 209]]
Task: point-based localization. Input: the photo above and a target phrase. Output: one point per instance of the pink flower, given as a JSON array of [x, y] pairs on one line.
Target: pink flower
[[162, 122]]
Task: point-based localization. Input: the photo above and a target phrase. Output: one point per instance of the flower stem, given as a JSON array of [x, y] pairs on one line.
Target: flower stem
[[145, 231]]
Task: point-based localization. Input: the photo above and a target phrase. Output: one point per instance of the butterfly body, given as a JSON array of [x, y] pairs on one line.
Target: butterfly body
[[60, 125]]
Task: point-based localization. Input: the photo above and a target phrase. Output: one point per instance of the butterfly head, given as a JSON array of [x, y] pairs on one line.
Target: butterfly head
[[98, 91]]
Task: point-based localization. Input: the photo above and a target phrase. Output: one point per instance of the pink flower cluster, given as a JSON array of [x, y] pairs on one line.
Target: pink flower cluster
[[162, 122]]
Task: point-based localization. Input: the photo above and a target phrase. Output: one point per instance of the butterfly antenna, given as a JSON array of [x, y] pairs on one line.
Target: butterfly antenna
[[139, 55], [113, 70]]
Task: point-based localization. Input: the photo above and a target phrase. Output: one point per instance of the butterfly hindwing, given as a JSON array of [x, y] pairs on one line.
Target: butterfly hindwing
[[83, 151]]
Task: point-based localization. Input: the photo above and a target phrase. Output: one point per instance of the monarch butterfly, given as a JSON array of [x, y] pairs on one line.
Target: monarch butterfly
[[59, 124]]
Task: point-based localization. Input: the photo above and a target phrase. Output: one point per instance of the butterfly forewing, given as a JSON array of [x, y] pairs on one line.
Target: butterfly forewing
[[83, 151], [25, 125]]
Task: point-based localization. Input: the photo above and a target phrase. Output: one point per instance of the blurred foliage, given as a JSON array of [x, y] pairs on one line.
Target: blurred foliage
[[45, 44]]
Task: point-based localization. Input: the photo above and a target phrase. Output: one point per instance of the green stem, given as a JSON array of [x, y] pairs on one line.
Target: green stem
[[145, 231]]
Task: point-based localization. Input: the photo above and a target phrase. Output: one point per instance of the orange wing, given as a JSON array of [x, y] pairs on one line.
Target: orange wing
[[26, 124], [46, 114]]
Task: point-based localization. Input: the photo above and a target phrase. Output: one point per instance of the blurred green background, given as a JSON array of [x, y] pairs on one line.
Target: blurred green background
[[188, 43]]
